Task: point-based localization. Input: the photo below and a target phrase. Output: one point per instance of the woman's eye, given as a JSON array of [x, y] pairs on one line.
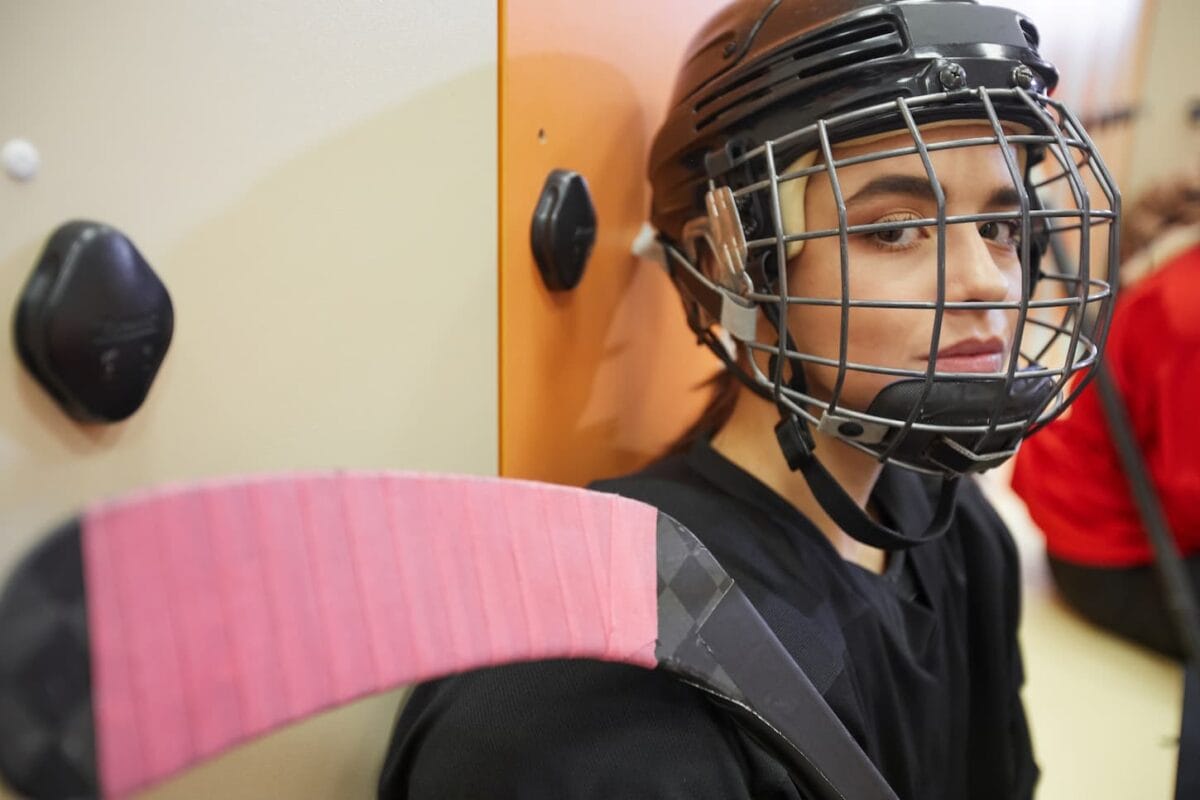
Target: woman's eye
[[896, 238], [1005, 232]]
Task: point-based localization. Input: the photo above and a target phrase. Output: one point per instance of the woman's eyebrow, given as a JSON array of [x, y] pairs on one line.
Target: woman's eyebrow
[[1004, 197], [919, 188]]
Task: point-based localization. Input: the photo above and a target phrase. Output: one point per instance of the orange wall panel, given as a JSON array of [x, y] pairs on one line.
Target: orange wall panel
[[597, 380]]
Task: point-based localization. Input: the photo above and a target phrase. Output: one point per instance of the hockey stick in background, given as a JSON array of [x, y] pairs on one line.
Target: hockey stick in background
[[1178, 594], [154, 632]]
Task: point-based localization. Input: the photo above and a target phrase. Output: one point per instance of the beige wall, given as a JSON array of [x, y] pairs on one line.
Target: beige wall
[[316, 185], [1164, 138]]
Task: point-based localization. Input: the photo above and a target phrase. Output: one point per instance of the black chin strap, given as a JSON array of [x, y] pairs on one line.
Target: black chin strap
[[797, 444]]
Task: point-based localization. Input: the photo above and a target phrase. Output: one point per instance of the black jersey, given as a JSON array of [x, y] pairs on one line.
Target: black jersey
[[921, 663]]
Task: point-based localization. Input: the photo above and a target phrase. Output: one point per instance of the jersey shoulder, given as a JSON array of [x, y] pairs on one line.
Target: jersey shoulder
[[675, 489], [563, 729]]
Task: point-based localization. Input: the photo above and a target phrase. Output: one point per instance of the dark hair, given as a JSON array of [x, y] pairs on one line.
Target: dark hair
[[1170, 204], [724, 388]]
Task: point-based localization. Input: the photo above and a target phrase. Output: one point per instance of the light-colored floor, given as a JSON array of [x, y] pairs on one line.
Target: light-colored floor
[[1104, 714]]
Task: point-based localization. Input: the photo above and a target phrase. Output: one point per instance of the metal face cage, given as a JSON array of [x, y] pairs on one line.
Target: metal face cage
[[934, 421]]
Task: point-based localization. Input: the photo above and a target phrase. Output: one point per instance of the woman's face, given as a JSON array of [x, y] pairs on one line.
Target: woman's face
[[982, 264]]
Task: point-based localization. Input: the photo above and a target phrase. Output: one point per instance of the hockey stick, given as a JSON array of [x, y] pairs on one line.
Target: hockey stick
[[1178, 593], [157, 631]]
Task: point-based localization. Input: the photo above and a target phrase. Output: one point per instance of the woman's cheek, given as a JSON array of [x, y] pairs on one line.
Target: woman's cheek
[[878, 336]]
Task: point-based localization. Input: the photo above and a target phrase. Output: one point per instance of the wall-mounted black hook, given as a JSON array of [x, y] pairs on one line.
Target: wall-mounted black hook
[[94, 322], [563, 230]]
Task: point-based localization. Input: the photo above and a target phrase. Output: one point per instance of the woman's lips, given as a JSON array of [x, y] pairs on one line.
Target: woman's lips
[[972, 355], [980, 362]]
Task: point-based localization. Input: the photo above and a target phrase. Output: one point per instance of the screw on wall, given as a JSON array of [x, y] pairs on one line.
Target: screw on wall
[[21, 159]]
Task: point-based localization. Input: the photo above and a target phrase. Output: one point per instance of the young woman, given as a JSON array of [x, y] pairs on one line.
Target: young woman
[[844, 195]]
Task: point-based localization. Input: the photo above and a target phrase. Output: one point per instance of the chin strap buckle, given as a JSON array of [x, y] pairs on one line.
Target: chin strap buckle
[[795, 440]]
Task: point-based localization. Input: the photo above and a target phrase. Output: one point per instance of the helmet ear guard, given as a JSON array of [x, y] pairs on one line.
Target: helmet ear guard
[[721, 230], [713, 281]]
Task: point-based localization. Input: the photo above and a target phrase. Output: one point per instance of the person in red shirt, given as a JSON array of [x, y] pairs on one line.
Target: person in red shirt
[[1070, 474]]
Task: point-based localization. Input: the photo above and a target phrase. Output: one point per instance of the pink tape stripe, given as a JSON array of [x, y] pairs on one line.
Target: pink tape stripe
[[223, 610]]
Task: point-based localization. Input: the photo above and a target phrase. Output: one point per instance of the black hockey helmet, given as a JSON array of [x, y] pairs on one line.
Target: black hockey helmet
[[767, 89]]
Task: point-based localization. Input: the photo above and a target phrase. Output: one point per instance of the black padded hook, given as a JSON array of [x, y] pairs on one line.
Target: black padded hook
[[563, 230], [94, 322]]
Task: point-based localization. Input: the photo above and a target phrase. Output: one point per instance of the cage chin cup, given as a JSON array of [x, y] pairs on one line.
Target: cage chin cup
[[951, 404], [93, 322]]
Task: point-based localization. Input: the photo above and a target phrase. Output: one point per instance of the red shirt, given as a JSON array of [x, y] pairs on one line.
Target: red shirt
[[1069, 473]]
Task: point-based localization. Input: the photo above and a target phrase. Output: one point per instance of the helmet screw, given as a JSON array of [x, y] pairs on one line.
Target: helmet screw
[[851, 429], [1022, 76], [953, 77], [730, 48]]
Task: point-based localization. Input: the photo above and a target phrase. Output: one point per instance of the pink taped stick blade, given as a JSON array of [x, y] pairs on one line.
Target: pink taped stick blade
[[219, 612]]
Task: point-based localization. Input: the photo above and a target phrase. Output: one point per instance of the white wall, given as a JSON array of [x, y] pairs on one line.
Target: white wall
[[316, 185]]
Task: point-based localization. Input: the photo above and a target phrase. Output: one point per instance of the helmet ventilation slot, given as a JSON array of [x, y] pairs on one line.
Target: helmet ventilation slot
[[840, 47]]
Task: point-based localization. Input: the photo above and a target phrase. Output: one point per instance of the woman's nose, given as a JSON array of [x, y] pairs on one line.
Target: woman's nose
[[975, 272]]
